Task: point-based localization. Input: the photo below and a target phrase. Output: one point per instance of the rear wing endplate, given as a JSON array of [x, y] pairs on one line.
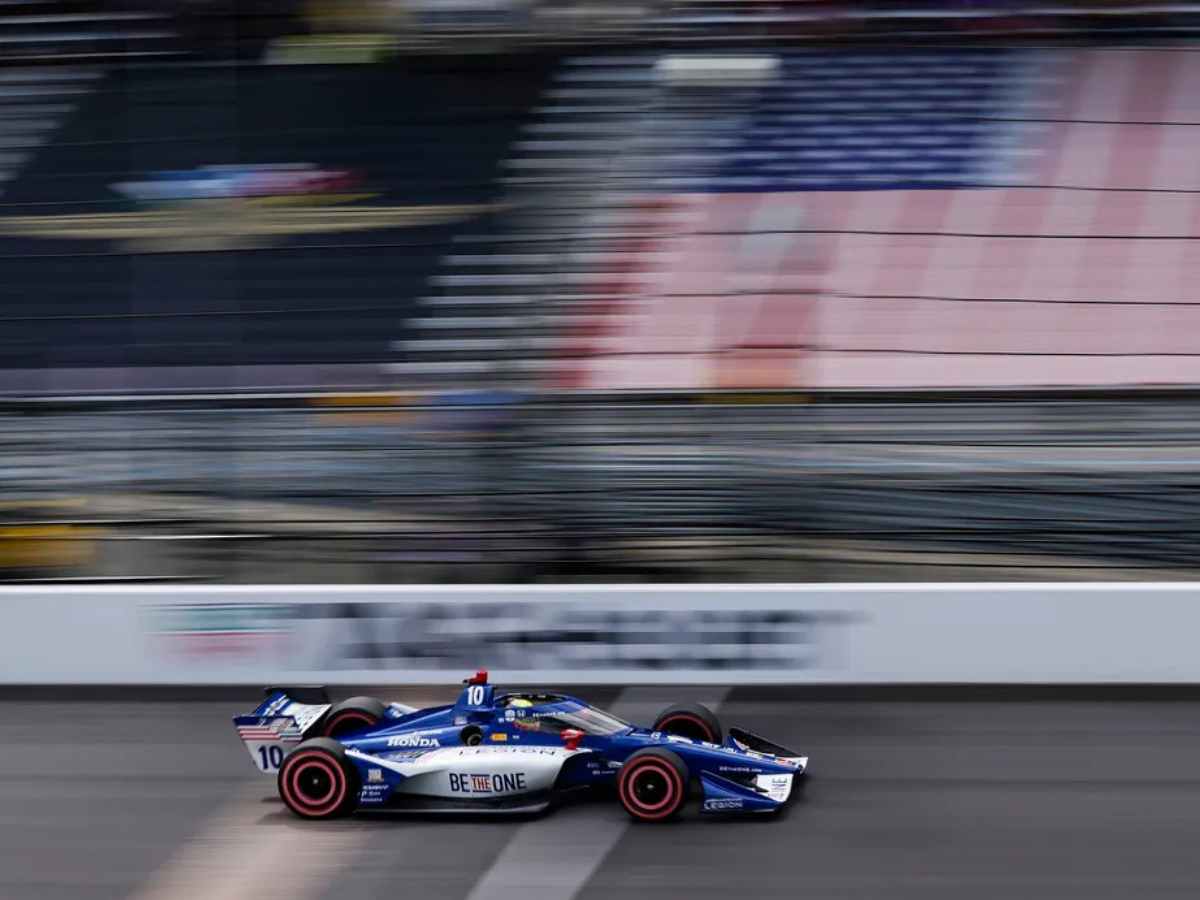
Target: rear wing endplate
[[279, 722]]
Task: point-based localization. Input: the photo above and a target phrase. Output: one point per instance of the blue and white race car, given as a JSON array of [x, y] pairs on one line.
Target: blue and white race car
[[506, 752]]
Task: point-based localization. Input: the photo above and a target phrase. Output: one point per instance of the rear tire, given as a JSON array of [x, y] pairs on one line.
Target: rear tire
[[653, 785], [355, 714], [318, 781], [691, 720]]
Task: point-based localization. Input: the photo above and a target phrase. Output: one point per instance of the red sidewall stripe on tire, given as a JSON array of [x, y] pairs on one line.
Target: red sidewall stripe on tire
[[640, 772], [295, 797], [674, 782], [337, 720], [306, 766], [688, 717]]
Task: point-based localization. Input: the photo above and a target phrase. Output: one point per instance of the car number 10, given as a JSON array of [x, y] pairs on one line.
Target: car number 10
[[270, 757]]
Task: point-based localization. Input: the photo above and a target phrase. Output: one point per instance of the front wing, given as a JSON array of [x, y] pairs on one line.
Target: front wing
[[767, 791]]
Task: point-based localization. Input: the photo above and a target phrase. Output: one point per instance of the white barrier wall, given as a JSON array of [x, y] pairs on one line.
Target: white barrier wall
[[849, 634]]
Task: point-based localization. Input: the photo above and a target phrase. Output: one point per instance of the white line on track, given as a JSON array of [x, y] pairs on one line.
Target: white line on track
[[253, 849], [547, 861], [248, 850]]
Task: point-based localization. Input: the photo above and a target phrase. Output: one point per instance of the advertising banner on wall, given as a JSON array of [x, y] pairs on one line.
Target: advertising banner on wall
[[746, 634]]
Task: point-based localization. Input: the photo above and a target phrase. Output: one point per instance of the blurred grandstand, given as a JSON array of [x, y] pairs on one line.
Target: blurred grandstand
[[689, 290]]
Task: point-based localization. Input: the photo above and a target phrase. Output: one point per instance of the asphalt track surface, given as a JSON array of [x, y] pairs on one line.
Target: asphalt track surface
[[1055, 799]]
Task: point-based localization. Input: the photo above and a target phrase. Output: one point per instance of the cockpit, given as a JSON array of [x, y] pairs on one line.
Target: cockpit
[[553, 713]]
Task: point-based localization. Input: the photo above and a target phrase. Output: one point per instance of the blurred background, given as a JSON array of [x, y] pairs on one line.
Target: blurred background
[[534, 292], [548, 290]]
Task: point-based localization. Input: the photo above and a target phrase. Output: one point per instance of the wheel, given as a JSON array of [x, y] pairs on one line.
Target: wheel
[[471, 736], [352, 715], [652, 785], [691, 720], [318, 781]]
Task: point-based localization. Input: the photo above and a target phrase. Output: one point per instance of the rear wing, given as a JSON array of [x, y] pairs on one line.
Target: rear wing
[[281, 721], [311, 694]]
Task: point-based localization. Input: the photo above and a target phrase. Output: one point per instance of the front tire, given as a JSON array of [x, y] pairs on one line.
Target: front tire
[[690, 720], [653, 785], [318, 781]]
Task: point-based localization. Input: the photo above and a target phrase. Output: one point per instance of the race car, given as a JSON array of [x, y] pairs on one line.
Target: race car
[[506, 752]]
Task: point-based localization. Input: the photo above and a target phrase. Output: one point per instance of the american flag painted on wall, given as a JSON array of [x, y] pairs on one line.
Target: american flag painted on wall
[[920, 218], [867, 121]]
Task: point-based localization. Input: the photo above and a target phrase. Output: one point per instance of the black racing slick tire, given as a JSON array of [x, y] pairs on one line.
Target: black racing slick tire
[[352, 715], [691, 720], [318, 781], [653, 785], [471, 736]]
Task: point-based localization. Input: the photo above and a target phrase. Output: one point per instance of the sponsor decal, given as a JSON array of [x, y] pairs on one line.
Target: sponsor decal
[[510, 714], [227, 631], [306, 715], [460, 720], [500, 783], [735, 769], [412, 740], [360, 635], [679, 739], [373, 793], [499, 736], [281, 704], [235, 207], [521, 751], [723, 803], [363, 635], [401, 755], [374, 775], [777, 786]]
